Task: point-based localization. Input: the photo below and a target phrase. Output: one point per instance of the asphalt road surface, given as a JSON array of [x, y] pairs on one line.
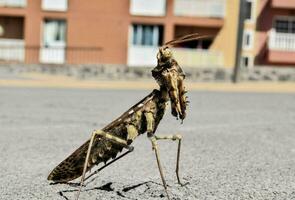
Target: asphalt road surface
[[236, 145]]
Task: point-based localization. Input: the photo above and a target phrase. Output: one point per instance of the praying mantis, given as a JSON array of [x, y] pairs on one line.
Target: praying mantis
[[143, 117]]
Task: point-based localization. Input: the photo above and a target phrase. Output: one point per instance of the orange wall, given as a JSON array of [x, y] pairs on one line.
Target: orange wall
[[100, 24]]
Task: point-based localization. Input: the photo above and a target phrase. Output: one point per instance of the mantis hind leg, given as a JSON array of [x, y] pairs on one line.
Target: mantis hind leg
[[105, 136]]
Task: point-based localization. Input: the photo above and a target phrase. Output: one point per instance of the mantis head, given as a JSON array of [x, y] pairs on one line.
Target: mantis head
[[164, 54]]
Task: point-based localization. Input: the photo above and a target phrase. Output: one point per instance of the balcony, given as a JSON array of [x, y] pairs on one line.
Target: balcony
[[281, 48], [200, 8], [55, 5], [13, 3], [145, 56], [287, 4], [12, 50], [148, 7]]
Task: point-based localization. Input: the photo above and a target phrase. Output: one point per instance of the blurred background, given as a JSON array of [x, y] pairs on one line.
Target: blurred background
[[121, 38], [68, 67]]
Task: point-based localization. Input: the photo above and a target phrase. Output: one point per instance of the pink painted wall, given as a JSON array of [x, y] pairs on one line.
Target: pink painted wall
[[281, 57], [289, 4]]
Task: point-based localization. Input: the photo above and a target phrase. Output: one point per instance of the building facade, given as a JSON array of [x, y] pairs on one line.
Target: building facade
[[269, 33], [120, 32]]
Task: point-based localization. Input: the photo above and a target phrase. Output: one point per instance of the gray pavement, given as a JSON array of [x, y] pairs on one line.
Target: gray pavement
[[236, 145]]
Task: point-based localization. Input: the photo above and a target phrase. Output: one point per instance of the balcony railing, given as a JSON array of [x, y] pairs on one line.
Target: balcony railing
[[198, 57], [148, 7], [53, 55], [13, 3], [200, 8], [281, 41], [145, 56], [12, 50]]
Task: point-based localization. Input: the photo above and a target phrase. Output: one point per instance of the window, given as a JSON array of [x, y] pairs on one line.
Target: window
[[54, 33], [285, 25], [147, 35], [246, 62], [249, 10], [54, 42], [248, 39]]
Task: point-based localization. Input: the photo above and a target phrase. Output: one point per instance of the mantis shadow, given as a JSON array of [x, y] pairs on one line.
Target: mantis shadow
[[122, 192]]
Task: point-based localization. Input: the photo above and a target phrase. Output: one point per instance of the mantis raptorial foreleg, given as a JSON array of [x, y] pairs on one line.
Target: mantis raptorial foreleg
[[105, 135], [176, 92]]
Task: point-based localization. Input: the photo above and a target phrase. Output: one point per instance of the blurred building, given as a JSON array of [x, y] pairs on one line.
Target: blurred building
[[129, 32], [269, 34], [117, 31]]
